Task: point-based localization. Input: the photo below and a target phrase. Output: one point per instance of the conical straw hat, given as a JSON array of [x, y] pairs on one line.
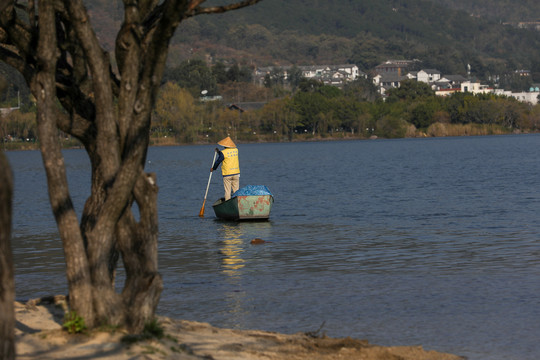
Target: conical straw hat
[[227, 142]]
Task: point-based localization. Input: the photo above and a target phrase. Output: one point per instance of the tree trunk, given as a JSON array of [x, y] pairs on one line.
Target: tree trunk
[[7, 285], [138, 245], [44, 85]]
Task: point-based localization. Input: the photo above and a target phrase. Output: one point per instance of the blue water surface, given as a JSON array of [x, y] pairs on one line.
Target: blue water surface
[[431, 242]]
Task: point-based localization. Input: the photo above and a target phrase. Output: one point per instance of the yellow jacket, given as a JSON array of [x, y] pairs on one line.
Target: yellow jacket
[[230, 165]]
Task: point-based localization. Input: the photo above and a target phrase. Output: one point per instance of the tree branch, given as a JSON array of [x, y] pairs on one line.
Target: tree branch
[[12, 57], [99, 65], [195, 8], [17, 33], [4, 4]]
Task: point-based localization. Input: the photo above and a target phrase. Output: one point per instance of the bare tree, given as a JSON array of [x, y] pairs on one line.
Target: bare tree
[[7, 285], [53, 45]]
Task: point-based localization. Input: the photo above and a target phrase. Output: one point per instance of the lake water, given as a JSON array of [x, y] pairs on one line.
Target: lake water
[[432, 242]]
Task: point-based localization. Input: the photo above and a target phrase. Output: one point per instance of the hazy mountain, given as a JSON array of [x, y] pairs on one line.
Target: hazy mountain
[[443, 34], [498, 10], [366, 32]]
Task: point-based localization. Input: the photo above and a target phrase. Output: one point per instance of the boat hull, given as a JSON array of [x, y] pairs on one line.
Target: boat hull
[[248, 207]]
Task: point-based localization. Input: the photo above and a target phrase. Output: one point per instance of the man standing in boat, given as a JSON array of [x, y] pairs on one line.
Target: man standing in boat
[[230, 166]]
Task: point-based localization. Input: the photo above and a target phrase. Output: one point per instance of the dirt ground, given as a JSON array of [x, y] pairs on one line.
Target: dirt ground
[[39, 335]]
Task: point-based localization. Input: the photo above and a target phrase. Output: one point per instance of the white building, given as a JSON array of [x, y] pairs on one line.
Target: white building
[[428, 75], [335, 75], [475, 88], [347, 72], [530, 97]]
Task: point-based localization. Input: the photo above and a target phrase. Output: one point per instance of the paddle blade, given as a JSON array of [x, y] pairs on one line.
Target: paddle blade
[[201, 213]]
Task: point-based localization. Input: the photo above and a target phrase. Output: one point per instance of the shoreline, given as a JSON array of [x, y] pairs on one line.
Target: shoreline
[[161, 142], [39, 335]]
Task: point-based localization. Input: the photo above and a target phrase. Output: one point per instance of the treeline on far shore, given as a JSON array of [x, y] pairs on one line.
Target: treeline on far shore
[[314, 111], [437, 130]]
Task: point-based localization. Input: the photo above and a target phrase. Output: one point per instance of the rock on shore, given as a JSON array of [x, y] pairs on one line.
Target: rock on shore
[[39, 335]]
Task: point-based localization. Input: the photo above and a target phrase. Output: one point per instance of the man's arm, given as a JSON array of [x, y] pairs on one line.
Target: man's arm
[[219, 160]]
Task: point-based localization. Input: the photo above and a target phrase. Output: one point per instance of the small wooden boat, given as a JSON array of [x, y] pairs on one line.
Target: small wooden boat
[[246, 204]]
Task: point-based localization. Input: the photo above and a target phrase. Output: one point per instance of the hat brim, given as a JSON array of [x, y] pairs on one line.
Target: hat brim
[[227, 142]]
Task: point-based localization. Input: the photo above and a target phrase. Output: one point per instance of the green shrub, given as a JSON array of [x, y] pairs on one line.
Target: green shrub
[[73, 323]]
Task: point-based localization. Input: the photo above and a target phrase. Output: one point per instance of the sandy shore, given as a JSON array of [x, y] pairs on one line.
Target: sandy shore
[[39, 335]]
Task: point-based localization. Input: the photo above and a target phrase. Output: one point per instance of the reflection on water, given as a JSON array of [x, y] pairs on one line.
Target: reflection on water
[[231, 250], [239, 261], [232, 247], [235, 245]]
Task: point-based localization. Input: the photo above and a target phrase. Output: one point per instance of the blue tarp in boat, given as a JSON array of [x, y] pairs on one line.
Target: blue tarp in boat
[[253, 190]]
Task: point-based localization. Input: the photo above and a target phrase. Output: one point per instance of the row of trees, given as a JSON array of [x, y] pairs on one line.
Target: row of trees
[[195, 76], [323, 111], [18, 126], [318, 110]]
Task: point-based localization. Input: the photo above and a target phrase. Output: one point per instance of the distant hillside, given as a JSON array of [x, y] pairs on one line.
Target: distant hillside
[[498, 10], [365, 33], [444, 34]]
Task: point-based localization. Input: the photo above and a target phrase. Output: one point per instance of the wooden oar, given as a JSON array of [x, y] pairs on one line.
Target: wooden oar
[[201, 213]]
